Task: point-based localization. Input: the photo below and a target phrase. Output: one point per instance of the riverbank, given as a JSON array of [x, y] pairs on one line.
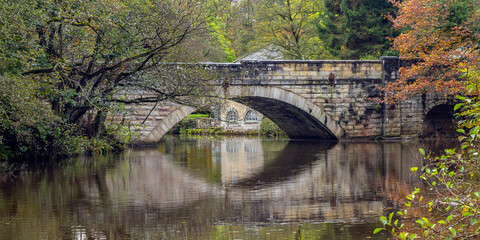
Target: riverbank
[[202, 125]]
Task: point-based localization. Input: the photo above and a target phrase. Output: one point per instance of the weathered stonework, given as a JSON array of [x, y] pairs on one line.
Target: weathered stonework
[[241, 124], [328, 100]]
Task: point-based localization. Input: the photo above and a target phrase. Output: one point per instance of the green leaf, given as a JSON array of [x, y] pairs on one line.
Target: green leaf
[[377, 230], [449, 217], [470, 87], [414, 169], [420, 221], [384, 220], [457, 106], [441, 222], [390, 216], [473, 221], [453, 231], [422, 151]]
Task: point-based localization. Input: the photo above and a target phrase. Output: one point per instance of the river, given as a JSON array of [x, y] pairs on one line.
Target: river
[[213, 188]]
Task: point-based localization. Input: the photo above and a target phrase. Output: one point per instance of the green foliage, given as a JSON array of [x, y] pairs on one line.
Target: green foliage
[[309, 29], [28, 128], [240, 26], [198, 115], [450, 208], [269, 128], [469, 106], [64, 63], [217, 30], [83, 51], [458, 13], [185, 124], [356, 29], [290, 26], [31, 133]]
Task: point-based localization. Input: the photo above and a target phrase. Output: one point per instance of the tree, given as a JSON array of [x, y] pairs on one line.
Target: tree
[[218, 12], [356, 29], [28, 128], [83, 52], [289, 26], [240, 26], [442, 36]]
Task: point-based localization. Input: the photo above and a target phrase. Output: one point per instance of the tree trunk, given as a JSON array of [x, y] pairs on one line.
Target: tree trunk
[[99, 123]]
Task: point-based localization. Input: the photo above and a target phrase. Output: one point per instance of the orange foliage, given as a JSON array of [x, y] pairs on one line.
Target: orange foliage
[[443, 37]]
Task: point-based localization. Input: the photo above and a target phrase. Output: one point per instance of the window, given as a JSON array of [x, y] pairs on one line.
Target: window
[[232, 116], [251, 116]]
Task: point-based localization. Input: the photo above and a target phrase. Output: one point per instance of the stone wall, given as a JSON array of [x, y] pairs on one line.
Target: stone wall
[[241, 124], [347, 90]]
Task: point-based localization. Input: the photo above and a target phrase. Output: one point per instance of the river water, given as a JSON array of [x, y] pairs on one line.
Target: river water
[[213, 188]]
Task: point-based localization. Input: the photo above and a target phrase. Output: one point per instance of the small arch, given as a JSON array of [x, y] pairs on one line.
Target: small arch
[[440, 121], [232, 116], [251, 116]]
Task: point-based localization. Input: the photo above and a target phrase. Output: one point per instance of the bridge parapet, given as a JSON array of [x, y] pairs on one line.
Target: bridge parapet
[[298, 72]]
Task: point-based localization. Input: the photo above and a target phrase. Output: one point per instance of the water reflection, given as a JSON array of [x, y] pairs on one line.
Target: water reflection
[[233, 188]]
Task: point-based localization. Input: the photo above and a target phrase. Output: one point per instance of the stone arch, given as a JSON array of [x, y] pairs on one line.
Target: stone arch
[[434, 100], [440, 121], [165, 123], [298, 117]]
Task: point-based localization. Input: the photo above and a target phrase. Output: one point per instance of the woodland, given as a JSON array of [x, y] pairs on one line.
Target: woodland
[[62, 61]]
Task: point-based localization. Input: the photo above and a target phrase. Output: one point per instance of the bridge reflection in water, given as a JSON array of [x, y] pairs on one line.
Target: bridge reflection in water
[[307, 180], [206, 188]]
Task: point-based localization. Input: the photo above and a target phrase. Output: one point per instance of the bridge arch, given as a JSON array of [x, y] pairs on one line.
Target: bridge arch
[[440, 121], [163, 125], [297, 116]]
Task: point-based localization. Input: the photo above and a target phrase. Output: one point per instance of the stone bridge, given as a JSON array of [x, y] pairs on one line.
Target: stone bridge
[[325, 100]]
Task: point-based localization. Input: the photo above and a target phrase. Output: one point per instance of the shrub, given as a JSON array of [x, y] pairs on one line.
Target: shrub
[[450, 208], [29, 129], [269, 128]]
